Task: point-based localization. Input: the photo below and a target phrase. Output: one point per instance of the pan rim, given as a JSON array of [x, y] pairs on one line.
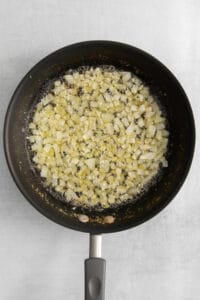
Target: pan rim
[[100, 228]]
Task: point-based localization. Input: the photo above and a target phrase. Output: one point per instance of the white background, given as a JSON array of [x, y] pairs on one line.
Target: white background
[[157, 260]]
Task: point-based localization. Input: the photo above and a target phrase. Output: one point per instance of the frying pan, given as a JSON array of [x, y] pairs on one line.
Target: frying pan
[[175, 105]]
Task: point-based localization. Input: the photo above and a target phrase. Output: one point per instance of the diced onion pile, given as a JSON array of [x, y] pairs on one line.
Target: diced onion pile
[[98, 137]]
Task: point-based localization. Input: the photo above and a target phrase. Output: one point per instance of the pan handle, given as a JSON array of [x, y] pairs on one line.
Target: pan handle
[[95, 268]]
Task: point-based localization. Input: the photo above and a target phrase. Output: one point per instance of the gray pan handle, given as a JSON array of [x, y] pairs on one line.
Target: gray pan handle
[[95, 268]]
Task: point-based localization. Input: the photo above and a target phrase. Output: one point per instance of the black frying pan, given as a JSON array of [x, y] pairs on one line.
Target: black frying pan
[[178, 112]]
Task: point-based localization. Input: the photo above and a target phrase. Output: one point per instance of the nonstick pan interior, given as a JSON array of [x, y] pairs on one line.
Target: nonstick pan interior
[[162, 84]]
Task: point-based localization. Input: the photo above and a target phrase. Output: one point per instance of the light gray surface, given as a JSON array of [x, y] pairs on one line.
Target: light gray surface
[[161, 258]]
